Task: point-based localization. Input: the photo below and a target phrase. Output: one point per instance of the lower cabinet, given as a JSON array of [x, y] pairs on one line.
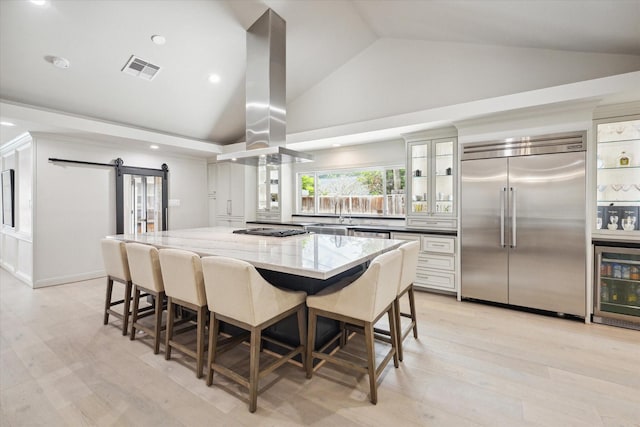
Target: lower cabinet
[[436, 262], [232, 222]]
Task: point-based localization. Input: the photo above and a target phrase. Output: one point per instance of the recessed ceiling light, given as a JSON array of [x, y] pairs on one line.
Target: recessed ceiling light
[[336, 145], [8, 124], [234, 159], [214, 78], [158, 39], [154, 147], [40, 2]]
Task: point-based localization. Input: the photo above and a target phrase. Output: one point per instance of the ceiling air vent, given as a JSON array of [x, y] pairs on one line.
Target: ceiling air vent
[[140, 68]]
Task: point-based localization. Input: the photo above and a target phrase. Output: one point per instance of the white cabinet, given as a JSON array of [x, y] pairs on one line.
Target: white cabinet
[[618, 176], [227, 194], [436, 261], [269, 192], [273, 193], [431, 183]]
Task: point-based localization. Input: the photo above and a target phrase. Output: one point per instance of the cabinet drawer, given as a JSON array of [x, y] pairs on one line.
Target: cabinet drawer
[[436, 261], [405, 236], [443, 245], [432, 223], [436, 279]]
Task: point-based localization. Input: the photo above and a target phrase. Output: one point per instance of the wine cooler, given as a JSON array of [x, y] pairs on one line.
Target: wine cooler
[[617, 286]]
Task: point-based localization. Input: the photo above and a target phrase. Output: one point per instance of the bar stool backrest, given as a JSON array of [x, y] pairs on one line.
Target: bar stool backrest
[[367, 296], [114, 255], [235, 289], [182, 276], [144, 265], [388, 266], [409, 264]]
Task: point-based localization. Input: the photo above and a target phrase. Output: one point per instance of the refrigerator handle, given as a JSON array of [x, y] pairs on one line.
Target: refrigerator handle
[[503, 195], [513, 217]]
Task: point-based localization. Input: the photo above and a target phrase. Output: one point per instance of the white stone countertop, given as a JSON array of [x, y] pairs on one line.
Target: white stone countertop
[[317, 256]]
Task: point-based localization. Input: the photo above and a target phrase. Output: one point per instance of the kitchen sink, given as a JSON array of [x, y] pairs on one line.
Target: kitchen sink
[[333, 229]]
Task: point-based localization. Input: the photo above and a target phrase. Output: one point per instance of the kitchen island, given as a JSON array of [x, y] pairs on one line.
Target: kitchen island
[[309, 255], [307, 262]]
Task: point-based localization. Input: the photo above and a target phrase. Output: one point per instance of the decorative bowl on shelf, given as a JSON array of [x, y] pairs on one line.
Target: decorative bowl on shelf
[[612, 226], [616, 187], [602, 187], [629, 223]]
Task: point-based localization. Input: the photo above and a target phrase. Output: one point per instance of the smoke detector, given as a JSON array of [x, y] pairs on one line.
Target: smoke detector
[[58, 61], [141, 68]]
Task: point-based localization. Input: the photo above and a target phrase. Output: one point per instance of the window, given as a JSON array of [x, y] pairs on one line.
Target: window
[[373, 192]]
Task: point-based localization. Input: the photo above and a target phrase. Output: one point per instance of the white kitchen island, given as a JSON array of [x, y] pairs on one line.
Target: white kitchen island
[[316, 256], [304, 262]]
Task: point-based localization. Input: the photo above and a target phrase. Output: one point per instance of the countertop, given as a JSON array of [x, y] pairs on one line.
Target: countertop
[[311, 255], [361, 227]]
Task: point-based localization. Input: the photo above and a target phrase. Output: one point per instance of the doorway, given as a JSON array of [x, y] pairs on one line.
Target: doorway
[[141, 199], [143, 203]]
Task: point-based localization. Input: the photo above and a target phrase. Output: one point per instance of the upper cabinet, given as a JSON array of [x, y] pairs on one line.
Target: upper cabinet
[[268, 189], [618, 175], [273, 192], [227, 195], [431, 164]]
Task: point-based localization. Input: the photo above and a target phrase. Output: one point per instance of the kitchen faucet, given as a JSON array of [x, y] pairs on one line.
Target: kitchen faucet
[[341, 218]]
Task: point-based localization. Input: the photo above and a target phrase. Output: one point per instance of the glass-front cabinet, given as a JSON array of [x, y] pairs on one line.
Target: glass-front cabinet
[[268, 188], [431, 186], [618, 177], [617, 290], [268, 191]]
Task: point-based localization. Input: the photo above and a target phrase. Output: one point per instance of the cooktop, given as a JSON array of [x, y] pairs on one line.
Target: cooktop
[[271, 232]]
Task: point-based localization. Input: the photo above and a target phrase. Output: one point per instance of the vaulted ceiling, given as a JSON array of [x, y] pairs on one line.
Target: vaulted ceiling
[[203, 37]]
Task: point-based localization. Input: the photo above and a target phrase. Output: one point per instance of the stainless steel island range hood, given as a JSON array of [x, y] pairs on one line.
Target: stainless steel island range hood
[[266, 96]]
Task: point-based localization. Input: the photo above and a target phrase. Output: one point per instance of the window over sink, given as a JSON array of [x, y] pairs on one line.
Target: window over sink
[[361, 192]]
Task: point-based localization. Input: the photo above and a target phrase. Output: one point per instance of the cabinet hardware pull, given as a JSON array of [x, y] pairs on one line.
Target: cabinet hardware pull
[[513, 218], [502, 197]]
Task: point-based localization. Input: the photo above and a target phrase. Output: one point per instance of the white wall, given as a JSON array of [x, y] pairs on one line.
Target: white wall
[[75, 204], [385, 153], [16, 247], [395, 76]]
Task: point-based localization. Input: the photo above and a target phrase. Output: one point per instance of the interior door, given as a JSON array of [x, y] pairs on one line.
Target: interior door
[[547, 256], [145, 203], [484, 257]]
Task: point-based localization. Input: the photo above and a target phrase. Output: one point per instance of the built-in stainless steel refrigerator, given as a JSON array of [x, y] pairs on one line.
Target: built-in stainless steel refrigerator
[[523, 226]]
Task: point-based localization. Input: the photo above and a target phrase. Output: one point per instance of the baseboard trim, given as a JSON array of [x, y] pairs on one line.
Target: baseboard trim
[[61, 280]]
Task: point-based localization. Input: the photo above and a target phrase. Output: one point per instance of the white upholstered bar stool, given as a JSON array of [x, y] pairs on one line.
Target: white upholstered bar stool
[[184, 286], [361, 303], [409, 252], [144, 265], [114, 255], [237, 294]]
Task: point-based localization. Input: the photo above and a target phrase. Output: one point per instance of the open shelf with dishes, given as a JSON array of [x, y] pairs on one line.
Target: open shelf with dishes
[[618, 175]]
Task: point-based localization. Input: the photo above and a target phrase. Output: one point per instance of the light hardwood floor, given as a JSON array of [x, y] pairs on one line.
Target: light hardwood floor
[[474, 365]]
